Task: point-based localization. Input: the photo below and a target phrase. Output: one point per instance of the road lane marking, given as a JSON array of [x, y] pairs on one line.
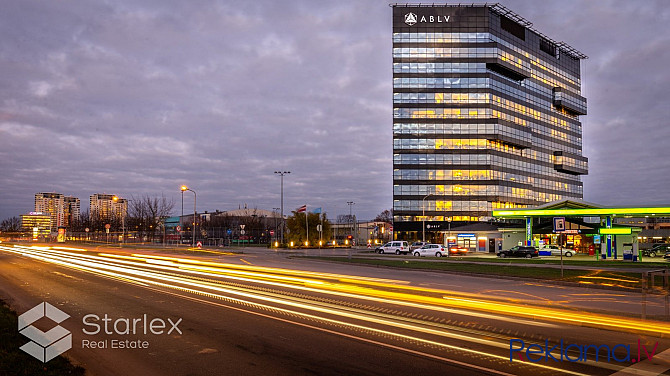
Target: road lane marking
[[245, 261]]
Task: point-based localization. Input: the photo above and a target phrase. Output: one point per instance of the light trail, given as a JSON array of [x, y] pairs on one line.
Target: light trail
[[490, 307], [323, 287], [168, 272]]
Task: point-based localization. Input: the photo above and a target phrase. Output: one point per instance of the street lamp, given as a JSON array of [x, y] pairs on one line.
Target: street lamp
[[274, 211], [183, 188], [281, 174], [423, 208], [449, 235], [195, 199], [123, 219], [351, 218]]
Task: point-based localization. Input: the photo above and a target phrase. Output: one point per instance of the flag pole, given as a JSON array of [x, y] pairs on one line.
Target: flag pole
[[306, 225]]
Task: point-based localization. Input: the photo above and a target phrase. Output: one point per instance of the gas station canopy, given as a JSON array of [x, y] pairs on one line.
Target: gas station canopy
[[581, 212]]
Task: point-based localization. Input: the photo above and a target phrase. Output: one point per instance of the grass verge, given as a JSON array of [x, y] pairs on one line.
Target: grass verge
[[510, 268], [566, 261], [14, 361]]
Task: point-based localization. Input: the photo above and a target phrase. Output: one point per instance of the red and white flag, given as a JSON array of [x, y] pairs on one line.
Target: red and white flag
[[301, 209]]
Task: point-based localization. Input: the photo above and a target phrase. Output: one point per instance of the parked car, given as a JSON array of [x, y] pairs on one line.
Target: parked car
[[417, 245], [456, 250], [436, 250], [397, 247], [556, 250], [656, 249], [519, 251], [667, 255]]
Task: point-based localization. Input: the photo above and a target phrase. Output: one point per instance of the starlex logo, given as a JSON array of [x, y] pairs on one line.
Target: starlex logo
[[579, 353], [45, 346]]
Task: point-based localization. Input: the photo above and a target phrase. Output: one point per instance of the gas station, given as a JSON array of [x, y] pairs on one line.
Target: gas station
[[585, 227]]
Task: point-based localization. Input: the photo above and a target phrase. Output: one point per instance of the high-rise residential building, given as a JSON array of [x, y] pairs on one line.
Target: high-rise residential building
[[51, 203], [64, 210], [71, 210], [485, 116], [107, 207]]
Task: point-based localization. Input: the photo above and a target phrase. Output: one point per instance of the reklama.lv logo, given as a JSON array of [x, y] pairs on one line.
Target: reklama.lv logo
[[577, 353]]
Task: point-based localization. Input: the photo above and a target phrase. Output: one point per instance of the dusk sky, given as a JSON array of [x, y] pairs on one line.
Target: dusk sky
[[140, 97]]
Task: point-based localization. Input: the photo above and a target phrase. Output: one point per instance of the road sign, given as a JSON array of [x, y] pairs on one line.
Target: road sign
[[87, 229], [198, 244], [559, 224], [242, 227], [178, 228], [229, 232], [242, 232], [318, 227], [272, 232], [108, 226]]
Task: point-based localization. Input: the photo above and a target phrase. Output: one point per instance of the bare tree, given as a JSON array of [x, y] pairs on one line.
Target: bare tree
[[12, 224], [97, 221], [385, 216], [82, 223], [146, 213]]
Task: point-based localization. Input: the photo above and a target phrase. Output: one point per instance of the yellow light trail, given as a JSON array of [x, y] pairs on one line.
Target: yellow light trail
[[108, 265], [428, 302], [142, 277]]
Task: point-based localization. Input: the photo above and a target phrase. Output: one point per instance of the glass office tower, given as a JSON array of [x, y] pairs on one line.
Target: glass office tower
[[485, 115]]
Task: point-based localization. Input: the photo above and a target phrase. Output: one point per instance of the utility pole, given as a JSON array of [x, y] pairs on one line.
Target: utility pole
[[281, 174]]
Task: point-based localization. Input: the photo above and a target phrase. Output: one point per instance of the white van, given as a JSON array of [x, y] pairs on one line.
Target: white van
[[397, 247]]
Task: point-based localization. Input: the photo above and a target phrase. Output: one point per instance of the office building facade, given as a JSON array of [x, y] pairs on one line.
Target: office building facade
[[485, 116], [36, 224]]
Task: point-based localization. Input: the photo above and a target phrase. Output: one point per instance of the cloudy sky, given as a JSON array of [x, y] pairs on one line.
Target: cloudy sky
[[135, 97]]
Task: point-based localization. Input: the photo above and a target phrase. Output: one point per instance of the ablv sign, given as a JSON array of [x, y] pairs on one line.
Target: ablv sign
[[412, 18]]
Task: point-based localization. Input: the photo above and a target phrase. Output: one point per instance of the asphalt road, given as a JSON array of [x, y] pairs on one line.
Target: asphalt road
[[266, 314]]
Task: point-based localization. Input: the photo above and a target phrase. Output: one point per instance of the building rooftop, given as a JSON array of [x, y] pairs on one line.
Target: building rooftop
[[503, 11]]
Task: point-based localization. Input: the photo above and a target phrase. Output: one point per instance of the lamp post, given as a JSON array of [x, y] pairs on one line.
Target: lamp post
[[281, 175], [182, 211], [275, 210], [423, 217], [123, 219], [351, 218], [195, 199], [449, 235]]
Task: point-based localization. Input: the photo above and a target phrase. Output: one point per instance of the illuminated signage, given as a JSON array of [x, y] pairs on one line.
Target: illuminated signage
[[615, 231], [412, 19], [559, 224], [580, 212]]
